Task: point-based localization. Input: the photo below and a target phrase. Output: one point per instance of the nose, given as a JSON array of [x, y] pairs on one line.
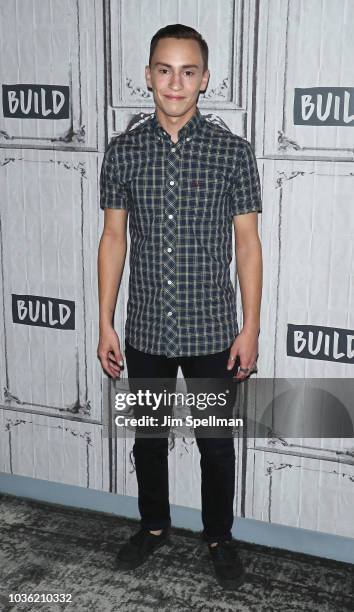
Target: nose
[[175, 82]]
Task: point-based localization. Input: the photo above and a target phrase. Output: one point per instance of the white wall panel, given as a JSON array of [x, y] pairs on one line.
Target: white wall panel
[[137, 21], [47, 42], [302, 44], [53, 449], [301, 492], [49, 239], [307, 234], [229, 29]]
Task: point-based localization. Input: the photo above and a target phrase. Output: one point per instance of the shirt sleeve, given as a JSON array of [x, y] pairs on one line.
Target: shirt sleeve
[[246, 193], [113, 192]]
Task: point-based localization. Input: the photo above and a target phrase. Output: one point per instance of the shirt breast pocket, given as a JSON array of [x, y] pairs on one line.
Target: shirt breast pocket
[[209, 190]]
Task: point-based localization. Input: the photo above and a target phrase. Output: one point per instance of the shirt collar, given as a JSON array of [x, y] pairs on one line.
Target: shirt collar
[[186, 131]]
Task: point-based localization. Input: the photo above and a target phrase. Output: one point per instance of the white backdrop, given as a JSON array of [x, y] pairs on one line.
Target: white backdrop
[[261, 51]]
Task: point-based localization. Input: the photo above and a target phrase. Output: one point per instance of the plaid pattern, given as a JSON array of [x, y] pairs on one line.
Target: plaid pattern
[[181, 199]]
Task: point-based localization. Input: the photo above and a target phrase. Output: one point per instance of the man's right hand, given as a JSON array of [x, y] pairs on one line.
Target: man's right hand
[[109, 353]]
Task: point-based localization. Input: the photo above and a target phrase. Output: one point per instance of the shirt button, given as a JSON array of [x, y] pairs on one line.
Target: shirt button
[[187, 139], [170, 216], [173, 149], [169, 314], [169, 282], [172, 182], [169, 249]]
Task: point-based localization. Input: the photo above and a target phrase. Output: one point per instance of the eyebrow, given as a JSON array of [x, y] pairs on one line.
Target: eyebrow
[[184, 65]]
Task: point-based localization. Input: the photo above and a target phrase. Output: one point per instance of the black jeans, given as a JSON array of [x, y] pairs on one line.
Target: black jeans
[[217, 455]]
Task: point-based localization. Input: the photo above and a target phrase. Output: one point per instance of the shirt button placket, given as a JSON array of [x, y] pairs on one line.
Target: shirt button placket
[[170, 251]]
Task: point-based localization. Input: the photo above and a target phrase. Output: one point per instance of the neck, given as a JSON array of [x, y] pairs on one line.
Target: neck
[[172, 125]]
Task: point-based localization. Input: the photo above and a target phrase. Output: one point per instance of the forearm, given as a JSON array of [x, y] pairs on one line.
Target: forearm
[[250, 272], [111, 259]]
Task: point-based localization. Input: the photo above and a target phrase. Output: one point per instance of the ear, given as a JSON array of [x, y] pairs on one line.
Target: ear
[[205, 80], [148, 76]]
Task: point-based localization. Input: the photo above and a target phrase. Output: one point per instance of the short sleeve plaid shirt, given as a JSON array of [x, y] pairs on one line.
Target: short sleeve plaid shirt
[[181, 198]]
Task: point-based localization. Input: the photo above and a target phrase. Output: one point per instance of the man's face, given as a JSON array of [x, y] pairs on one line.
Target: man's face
[[176, 75]]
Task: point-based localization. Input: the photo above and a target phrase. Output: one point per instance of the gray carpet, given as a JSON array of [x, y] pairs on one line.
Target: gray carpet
[[46, 548]]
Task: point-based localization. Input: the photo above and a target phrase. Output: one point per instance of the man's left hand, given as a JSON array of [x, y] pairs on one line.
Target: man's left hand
[[246, 347]]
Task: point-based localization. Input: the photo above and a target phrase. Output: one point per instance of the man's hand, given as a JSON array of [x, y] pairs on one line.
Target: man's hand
[[109, 353], [246, 347]]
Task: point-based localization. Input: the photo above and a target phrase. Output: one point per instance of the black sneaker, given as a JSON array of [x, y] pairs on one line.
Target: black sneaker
[[227, 565], [139, 547]]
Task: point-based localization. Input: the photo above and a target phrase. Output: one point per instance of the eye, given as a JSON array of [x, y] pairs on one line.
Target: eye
[[189, 72], [163, 70]]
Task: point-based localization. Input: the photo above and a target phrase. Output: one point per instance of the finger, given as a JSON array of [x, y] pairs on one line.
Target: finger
[[241, 375], [243, 372], [113, 365], [112, 359], [110, 368], [113, 371], [251, 369], [231, 361], [115, 361], [118, 356]]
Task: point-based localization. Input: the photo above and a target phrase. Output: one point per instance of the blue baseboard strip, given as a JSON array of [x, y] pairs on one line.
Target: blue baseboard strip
[[295, 539]]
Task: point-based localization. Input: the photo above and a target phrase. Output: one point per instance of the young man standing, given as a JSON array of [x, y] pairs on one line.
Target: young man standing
[[184, 181]]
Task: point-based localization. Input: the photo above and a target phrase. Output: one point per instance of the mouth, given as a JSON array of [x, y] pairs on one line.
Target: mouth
[[174, 97]]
